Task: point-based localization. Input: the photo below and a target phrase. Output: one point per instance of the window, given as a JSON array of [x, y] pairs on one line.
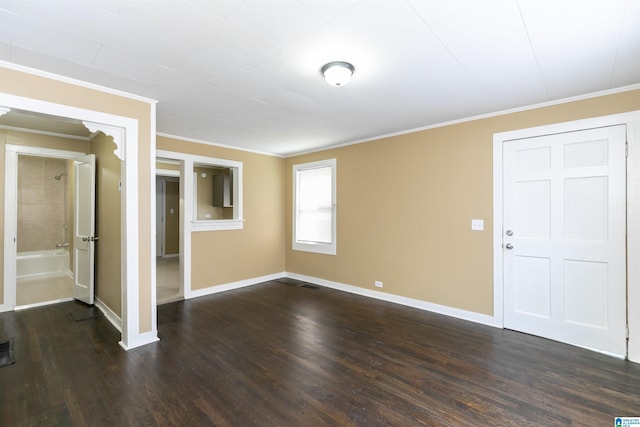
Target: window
[[314, 207], [217, 184], [213, 196], [213, 191]]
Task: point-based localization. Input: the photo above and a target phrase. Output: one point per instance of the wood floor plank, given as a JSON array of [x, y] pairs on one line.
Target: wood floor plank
[[279, 354]]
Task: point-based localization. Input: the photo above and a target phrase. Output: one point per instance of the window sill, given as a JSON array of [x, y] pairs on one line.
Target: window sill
[[317, 248], [215, 225]]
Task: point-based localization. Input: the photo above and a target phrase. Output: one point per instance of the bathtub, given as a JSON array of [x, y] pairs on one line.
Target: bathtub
[[54, 262]]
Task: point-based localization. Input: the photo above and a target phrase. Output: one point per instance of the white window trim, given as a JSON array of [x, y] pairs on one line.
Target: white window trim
[[320, 248], [189, 160]]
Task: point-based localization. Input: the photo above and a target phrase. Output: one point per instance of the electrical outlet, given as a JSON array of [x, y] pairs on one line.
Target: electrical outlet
[[377, 284]]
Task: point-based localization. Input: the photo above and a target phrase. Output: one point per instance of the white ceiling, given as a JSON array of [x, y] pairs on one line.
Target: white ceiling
[[247, 73]]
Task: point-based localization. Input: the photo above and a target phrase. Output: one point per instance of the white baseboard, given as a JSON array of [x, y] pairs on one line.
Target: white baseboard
[[410, 302], [111, 316], [140, 340], [233, 285], [41, 304]]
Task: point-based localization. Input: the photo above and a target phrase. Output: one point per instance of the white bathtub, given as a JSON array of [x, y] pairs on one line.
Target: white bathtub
[[53, 262]]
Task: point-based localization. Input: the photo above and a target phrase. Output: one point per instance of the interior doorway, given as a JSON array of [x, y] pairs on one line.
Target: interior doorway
[[125, 132], [45, 205], [169, 284], [40, 211]]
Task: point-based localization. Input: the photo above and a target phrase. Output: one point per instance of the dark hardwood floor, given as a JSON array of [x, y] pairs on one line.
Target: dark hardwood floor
[[278, 354]]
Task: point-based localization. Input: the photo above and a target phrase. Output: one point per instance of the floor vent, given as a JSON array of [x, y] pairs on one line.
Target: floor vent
[[80, 314], [289, 282], [297, 283], [6, 353]]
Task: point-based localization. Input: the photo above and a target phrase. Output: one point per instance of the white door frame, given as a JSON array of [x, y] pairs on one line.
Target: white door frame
[[124, 131], [11, 153], [632, 121], [159, 218]]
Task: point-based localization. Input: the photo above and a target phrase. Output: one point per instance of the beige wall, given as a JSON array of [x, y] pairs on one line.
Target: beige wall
[[108, 256], [220, 257], [167, 166], [405, 204], [27, 85]]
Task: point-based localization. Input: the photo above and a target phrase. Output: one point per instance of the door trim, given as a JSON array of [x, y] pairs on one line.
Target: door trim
[[131, 336], [632, 121]]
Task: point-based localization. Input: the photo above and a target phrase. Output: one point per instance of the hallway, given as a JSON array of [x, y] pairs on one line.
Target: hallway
[[167, 280]]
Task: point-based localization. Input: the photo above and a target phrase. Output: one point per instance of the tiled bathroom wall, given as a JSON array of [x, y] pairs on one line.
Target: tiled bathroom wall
[[43, 203]]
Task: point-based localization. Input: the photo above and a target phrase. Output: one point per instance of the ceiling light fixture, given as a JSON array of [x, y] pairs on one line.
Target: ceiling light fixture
[[337, 73]]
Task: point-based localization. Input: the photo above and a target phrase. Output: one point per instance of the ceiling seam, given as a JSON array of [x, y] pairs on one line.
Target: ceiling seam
[[444, 46], [533, 50]]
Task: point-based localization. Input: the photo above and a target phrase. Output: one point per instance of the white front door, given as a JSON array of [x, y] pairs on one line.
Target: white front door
[[84, 229], [564, 237]]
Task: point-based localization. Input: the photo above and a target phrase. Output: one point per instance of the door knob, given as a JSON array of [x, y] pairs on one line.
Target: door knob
[[508, 246]]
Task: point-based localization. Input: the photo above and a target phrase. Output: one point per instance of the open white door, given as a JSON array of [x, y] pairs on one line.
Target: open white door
[[84, 229]]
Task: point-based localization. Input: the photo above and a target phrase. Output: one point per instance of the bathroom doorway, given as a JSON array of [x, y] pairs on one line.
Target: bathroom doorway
[[120, 301], [44, 259], [50, 213]]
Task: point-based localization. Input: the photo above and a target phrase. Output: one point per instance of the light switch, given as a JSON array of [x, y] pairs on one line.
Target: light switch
[[477, 224], [171, 211]]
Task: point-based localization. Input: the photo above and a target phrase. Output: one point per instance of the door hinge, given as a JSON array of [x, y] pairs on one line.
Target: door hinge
[[626, 149], [626, 331]]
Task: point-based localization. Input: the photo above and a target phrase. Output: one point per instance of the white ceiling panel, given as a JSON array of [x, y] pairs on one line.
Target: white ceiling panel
[[508, 85], [279, 23], [627, 65], [244, 52], [247, 73], [49, 40], [575, 42], [434, 11], [120, 63], [221, 9], [493, 34], [328, 10], [5, 51], [84, 17], [56, 65]]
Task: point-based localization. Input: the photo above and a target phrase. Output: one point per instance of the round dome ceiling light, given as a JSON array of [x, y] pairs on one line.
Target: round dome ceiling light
[[337, 73]]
